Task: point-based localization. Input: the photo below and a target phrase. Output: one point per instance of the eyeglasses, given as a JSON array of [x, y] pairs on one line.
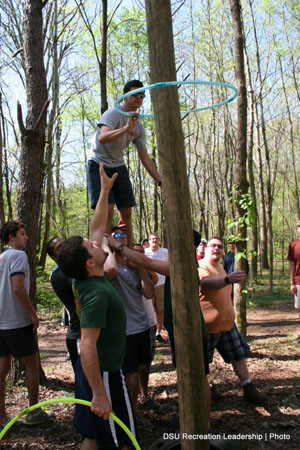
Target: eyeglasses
[[116, 235], [220, 246], [141, 94]]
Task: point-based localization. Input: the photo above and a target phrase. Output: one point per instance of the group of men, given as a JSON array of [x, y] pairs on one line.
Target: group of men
[[113, 326]]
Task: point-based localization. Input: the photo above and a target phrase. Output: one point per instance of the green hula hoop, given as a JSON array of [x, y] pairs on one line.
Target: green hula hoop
[[175, 83], [67, 400]]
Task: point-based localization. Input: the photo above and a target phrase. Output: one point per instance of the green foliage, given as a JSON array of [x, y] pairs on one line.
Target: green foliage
[[47, 302]]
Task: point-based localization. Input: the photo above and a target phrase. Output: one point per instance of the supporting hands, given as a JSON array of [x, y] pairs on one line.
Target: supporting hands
[[131, 123], [106, 182], [238, 276]]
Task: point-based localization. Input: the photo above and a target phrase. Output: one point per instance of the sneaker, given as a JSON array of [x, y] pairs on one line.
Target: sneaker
[[146, 402], [252, 395], [17, 423], [160, 339], [38, 416]]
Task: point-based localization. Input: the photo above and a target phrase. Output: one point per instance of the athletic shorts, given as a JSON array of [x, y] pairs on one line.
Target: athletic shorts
[[230, 344], [297, 297], [138, 351], [147, 367], [121, 193], [158, 299], [107, 433], [19, 342]]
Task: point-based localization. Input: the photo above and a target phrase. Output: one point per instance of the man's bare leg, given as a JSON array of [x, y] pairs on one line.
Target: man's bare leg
[[241, 369], [132, 380], [110, 214], [89, 444], [5, 363], [31, 364], [125, 216]]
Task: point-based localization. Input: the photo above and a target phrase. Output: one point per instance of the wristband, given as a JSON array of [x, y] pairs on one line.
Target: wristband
[[226, 280]]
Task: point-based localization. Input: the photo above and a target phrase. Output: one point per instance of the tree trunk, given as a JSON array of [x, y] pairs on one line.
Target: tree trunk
[[254, 227], [33, 135], [185, 297], [2, 131], [241, 183]]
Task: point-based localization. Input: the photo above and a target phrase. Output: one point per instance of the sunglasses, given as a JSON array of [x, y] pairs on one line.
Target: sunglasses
[[141, 94], [118, 235]]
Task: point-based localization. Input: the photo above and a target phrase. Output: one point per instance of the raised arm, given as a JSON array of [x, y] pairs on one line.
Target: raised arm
[[98, 224], [156, 265], [107, 135]]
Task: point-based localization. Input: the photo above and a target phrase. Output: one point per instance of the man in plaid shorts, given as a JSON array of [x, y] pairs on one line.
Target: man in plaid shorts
[[218, 311]]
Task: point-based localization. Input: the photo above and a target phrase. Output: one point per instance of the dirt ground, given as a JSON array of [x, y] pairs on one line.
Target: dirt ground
[[274, 365]]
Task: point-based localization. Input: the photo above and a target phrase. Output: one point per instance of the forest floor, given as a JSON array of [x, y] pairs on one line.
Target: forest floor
[[274, 365]]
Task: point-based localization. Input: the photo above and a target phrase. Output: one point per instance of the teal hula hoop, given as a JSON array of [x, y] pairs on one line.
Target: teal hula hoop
[[175, 83], [67, 400]]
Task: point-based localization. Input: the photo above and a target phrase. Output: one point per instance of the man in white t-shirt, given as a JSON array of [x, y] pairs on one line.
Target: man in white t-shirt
[[157, 252]]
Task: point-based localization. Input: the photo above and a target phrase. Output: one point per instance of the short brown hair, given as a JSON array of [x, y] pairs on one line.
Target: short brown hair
[[10, 227]]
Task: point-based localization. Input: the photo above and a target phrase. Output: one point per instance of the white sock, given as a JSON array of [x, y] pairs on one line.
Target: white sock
[[248, 381]]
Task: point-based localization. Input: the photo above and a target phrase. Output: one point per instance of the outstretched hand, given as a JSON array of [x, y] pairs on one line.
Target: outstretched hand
[[237, 276], [106, 182]]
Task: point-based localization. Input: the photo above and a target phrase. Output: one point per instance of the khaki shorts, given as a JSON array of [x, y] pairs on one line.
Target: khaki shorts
[[158, 299], [297, 297]]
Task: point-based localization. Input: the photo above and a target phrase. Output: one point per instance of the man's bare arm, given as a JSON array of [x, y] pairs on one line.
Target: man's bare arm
[[213, 284], [149, 165], [98, 224], [18, 286], [292, 277], [107, 135], [146, 282], [156, 265], [91, 367]]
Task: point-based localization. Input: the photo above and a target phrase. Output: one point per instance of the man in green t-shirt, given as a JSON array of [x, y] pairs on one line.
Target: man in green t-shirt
[[98, 374]]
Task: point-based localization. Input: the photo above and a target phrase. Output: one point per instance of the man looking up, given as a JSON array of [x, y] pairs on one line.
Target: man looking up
[[18, 319], [114, 133], [161, 254], [99, 377], [218, 311], [132, 282]]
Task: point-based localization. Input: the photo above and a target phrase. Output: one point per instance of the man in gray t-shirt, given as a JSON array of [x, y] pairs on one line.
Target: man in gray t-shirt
[[131, 284], [18, 319], [115, 132]]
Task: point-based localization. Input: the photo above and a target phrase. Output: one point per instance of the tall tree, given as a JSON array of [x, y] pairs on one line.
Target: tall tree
[[33, 132], [185, 298]]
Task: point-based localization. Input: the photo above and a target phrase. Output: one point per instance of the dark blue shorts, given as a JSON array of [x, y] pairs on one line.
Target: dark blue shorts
[[121, 193], [230, 344], [19, 342], [107, 433], [138, 351]]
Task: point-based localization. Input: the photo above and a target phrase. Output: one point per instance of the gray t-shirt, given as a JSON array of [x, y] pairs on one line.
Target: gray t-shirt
[[128, 285], [12, 313], [111, 154]]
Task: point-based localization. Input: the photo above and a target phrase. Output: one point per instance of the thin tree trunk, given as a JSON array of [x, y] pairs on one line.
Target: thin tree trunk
[[241, 182], [2, 131]]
